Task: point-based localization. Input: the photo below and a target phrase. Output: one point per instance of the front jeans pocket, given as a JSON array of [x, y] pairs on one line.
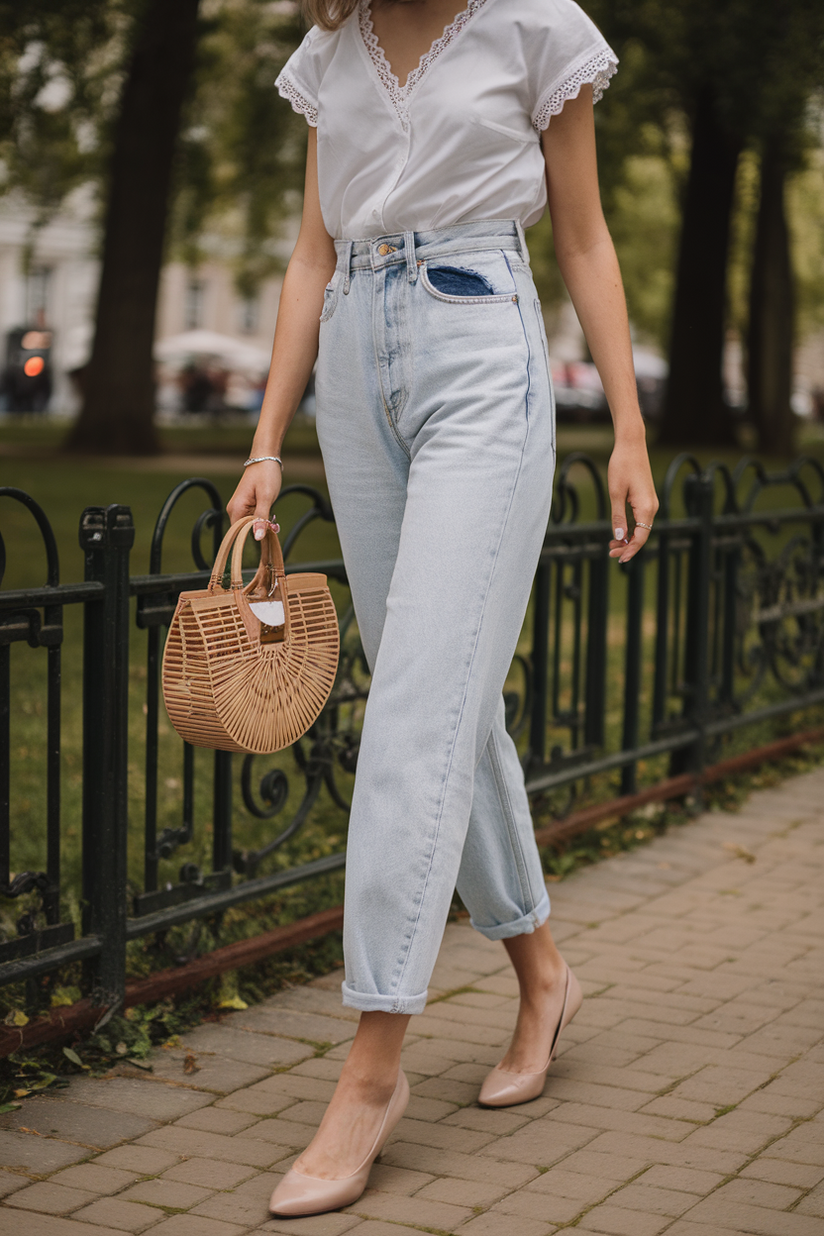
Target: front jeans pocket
[[459, 286]]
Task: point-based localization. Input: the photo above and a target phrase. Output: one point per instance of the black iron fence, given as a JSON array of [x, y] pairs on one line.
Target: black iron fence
[[625, 676]]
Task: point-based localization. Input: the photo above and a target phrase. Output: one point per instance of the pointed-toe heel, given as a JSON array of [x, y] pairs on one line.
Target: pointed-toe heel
[[504, 1089], [298, 1194]]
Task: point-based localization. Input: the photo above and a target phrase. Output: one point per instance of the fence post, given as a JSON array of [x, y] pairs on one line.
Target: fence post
[[632, 667], [698, 493], [540, 664], [106, 537]]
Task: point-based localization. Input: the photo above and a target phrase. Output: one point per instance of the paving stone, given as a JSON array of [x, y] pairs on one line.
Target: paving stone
[[780, 1171], [680, 1109], [759, 1193], [282, 1132], [193, 1225], [252, 1151], [812, 1204], [144, 1160], [491, 1224], [472, 1193], [327, 1225], [572, 1187], [755, 1220], [215, 1074], [217, 1120], [293, 1025], [462, 1166], [22, 1223], [387, 1178], [617, 1221], [486, 1120], [740, 1130], [395, 1208], [96, 1127], [54, 1199], [683, 1179], [652, 1150], [528, 1205], [544, 1142], [10, 1183], [242, 1045], [95, 1178], [124, 1216], [650, 1199], [170, 1194], [449, 1138], [210, 1173], [39, 1155], [156, 1100]]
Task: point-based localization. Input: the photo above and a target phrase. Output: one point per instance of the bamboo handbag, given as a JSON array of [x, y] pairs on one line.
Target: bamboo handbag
[[238, 680]]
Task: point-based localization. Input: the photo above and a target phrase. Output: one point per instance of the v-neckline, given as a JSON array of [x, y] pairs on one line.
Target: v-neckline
[[400, 93]]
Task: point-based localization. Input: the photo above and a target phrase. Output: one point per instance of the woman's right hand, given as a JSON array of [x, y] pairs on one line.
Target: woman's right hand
[[256, 494]]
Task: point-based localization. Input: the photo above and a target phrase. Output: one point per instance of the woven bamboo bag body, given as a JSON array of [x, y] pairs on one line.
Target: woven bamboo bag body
[[231, 681]]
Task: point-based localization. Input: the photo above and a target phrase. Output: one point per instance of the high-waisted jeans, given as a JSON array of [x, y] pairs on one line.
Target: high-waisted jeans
[[436, 421]]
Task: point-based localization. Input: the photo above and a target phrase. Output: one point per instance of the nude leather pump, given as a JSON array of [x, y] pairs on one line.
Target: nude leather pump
[[504, 1089], [298, 1194]]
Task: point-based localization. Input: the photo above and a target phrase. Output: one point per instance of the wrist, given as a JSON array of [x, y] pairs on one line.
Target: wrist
[[630, 430], [272, 447]]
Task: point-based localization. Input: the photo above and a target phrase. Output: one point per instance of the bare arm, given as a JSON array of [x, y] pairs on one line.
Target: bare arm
[[589, 267], [294, 351]]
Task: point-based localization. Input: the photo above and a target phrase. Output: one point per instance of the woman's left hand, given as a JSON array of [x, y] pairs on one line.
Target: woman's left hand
[[630, 483]]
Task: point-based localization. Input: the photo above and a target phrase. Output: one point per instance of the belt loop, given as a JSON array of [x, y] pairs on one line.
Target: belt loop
[[409, 249], [522, 241], [347, 266]]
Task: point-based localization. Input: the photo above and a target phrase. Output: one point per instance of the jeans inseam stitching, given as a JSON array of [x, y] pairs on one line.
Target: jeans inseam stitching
[[502, 791], [463, 703]]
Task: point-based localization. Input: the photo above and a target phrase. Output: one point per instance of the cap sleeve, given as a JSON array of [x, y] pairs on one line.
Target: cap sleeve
[[299, 79], [569, 53]]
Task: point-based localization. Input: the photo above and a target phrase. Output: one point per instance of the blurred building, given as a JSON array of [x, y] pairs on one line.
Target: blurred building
[[48, 283]]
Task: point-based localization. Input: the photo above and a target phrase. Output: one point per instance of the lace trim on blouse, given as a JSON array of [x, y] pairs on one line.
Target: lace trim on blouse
[[288, 90], [397, 92], [595, 72]]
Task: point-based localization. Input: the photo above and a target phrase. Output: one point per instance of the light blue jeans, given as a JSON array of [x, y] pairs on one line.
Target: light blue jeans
[[436, 421]]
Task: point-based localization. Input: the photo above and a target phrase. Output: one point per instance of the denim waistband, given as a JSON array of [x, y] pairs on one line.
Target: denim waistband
[[412, 248]]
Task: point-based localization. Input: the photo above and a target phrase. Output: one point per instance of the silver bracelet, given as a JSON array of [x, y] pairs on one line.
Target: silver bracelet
[[263, 459]]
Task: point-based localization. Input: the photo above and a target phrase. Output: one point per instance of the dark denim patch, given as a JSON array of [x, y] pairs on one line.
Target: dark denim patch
[[453, 281]]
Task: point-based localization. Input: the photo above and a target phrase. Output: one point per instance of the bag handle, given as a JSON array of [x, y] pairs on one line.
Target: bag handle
[[271, 562]]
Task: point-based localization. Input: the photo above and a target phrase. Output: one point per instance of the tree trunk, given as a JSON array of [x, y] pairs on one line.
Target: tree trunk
[[695, 412], [770, 335], [118, 407]]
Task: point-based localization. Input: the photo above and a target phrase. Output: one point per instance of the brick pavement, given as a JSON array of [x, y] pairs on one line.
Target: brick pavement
[[688, 1097]]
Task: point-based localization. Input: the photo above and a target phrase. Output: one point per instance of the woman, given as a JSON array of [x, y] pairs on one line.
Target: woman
[[430, 148]]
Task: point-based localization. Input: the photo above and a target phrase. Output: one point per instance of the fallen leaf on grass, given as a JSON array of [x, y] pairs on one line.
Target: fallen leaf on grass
[[72, 1055], [16, 1018]]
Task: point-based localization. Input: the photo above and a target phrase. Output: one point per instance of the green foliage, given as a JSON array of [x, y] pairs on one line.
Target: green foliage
[[56, 62], [242, 148]]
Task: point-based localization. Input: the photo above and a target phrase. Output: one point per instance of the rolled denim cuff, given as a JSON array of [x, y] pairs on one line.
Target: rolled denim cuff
[[520, 926], [371, 1002]]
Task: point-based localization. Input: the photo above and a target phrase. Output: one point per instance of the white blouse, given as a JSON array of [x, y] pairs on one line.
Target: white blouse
[[460, 140]]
